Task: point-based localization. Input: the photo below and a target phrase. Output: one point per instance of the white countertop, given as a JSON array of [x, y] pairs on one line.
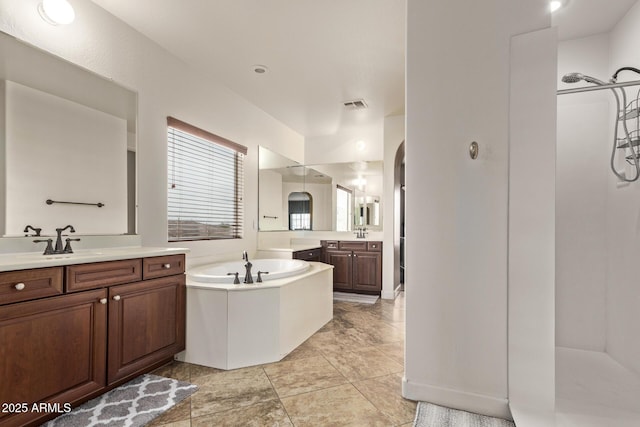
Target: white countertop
[[26, 260]]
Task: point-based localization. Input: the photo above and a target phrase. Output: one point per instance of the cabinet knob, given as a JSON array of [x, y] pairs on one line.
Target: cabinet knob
[[103, 301], [310, 253], [19, 286], [116, 297], [355, 255], [349, 255], [167, 266]]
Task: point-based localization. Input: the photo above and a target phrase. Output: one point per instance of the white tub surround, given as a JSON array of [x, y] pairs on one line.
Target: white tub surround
[[27, 260], [273, 269], [234, 326]]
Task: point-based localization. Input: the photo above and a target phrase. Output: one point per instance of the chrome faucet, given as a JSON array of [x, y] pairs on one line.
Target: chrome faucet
[[361, 233], [247, 277], [59, 249]]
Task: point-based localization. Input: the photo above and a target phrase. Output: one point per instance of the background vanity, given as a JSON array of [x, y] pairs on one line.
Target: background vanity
[[331, 235]]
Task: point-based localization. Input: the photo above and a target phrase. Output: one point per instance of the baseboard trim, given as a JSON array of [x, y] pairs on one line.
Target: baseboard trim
[[456, 399], [390, 294]]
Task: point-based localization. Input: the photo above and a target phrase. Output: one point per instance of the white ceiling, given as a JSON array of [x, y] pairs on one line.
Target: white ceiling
[[580, 18], [320, 53]]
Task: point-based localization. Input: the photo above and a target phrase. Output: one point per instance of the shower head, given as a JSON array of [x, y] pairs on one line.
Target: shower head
[[576, 77]]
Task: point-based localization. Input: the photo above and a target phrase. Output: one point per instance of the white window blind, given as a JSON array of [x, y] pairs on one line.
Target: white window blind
[[206, 184]]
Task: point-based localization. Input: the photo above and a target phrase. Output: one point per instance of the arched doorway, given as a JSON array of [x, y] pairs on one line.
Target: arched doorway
[[398, 221]]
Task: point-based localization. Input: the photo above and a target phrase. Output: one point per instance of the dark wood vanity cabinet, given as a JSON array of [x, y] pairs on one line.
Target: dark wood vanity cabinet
[[357, 265], [51, 350], [95, 336], [314, 254], [146, 324]]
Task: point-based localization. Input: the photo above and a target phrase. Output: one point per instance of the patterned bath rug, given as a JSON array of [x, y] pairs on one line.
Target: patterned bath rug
[[430, 415], [364, 299], [132, 404]]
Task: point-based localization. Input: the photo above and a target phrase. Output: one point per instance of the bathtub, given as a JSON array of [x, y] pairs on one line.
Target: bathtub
[[277, 269], [234, 326]]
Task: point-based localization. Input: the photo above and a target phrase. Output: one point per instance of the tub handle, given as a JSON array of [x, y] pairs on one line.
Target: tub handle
[[236, 281], [260, 277]]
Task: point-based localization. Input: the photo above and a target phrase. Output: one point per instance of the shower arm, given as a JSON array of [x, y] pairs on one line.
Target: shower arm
[[600, 87]]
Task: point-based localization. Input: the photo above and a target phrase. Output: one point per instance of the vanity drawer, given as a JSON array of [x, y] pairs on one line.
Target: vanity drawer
[[100, 274], [332, 244], [356, 246], [161, 266], [308, 254], [24, 285], [374, 246]]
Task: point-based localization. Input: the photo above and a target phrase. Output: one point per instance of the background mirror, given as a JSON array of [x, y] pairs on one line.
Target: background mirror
[[67, 135], [342, 196]]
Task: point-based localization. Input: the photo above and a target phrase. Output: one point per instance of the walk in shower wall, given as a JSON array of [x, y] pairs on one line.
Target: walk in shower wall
[[582, 172], [623, 224], [597, 242], [598, 218]]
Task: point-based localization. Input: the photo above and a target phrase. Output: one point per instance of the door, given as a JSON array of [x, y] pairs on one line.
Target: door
[[342, 271], [367, 269], [146, 324]]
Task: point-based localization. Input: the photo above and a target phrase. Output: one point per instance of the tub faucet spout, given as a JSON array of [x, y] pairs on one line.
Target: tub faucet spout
[[247, 277]]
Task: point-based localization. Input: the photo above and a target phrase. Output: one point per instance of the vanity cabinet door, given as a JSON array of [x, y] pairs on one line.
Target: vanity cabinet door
[[52, 350], [146, 325], [342, 271], [367, 271]]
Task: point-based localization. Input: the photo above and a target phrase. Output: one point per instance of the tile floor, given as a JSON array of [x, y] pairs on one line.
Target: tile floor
[[347, 374]]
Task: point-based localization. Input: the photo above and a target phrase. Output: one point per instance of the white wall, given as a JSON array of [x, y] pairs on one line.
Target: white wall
[[623, 222], [79, 152], [271, 204], [343, 147], [166, 86], [531, 247], [583, 148], [458, 92]]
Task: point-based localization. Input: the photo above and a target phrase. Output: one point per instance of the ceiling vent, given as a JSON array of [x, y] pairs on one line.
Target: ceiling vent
[[356, 104]]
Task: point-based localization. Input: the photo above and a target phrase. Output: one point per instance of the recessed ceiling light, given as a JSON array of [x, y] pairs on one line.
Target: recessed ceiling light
[[555, 5], [56, 12], [259, 69]]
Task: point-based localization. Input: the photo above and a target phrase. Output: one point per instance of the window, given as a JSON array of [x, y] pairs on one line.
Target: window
[[343, 209], [206, 184], [300, 211]]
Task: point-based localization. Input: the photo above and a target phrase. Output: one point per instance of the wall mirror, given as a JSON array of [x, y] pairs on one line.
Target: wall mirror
[[324, 197], [68, 142]]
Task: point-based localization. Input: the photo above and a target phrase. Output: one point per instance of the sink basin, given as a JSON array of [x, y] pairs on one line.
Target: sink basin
[[38, 256]]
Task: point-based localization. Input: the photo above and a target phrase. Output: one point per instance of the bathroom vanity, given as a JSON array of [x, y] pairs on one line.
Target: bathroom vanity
[[357, 265], [74, 327]]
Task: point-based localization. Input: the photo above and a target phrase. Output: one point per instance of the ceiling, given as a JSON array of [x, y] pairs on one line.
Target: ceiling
[[580, 18], [319, 53]]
